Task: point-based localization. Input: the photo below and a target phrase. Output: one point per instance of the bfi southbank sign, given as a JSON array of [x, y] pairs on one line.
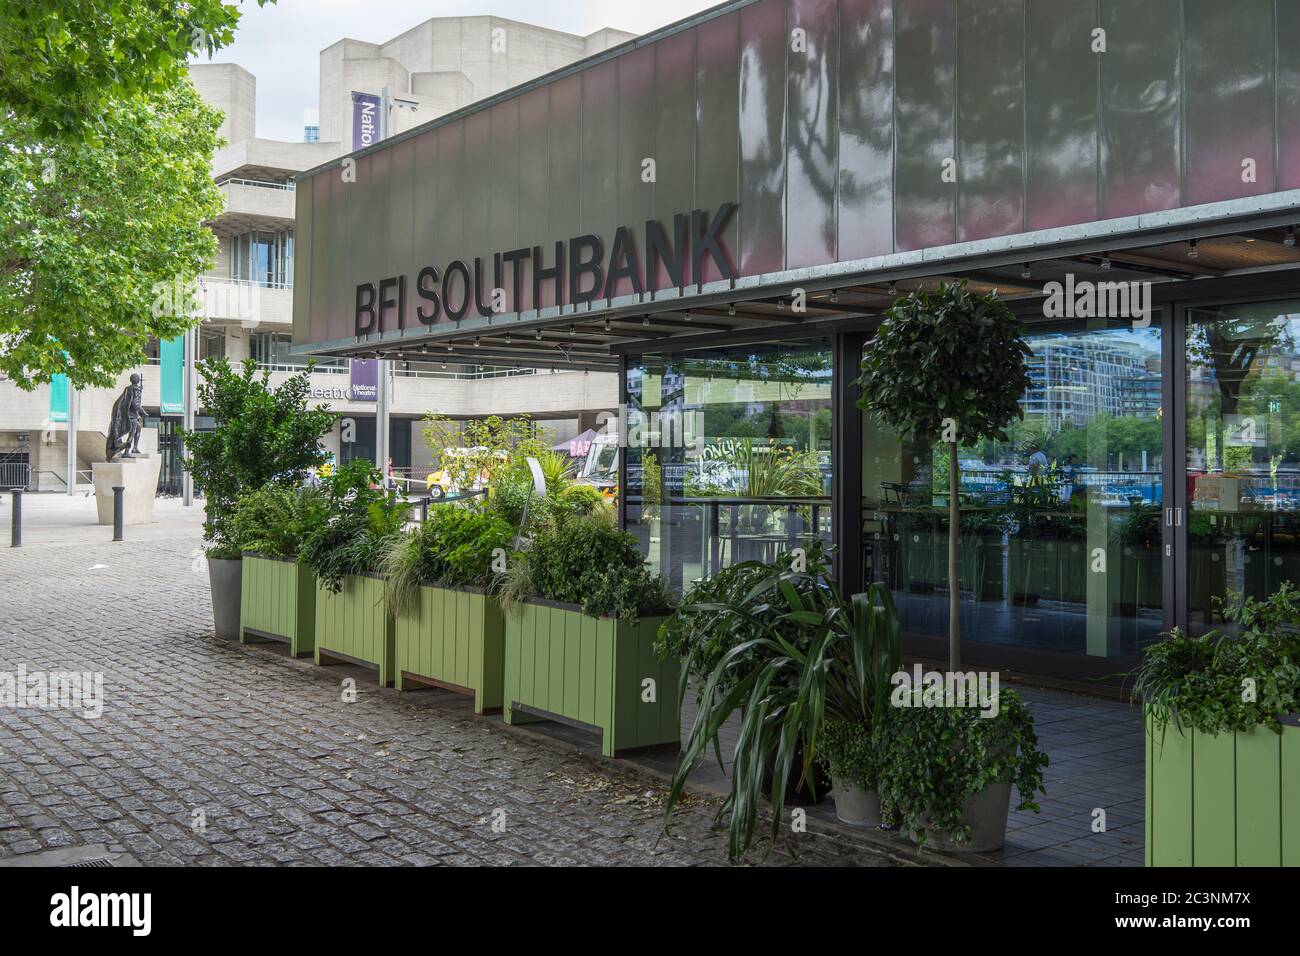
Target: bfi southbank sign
[[579, 271]]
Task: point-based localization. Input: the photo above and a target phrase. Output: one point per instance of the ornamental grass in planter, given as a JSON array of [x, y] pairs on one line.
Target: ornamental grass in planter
[[449, 631], [582, 610], [345, 552], [946, 771], [777, 645], [1223, 739], [278, 596]]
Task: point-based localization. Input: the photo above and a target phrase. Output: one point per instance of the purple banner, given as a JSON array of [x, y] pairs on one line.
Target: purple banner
[[365, 120], [363, 380]]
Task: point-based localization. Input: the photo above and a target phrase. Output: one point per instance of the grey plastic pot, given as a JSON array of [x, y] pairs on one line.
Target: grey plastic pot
[[855, 806], [226, 580], [986, 813]]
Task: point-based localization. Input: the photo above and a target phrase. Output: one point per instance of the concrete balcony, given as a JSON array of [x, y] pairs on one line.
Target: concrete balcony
[[255, 205], [249, 304]]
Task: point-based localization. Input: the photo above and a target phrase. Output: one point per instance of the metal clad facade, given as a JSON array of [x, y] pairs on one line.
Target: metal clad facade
[[841, 129]]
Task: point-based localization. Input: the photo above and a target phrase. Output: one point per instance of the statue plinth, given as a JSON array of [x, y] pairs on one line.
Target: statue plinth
[[139, 476]]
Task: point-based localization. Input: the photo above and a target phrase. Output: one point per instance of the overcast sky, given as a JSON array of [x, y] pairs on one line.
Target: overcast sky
[[280, 44]]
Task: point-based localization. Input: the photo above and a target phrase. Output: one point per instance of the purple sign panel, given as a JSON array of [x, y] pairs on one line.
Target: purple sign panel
[[363, 380], [365, 120]]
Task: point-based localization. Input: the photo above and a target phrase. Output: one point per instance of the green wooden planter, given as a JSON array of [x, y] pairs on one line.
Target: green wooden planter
[[278, 603], [454, 639], [1223, 800], [588, 672], [354, 626]]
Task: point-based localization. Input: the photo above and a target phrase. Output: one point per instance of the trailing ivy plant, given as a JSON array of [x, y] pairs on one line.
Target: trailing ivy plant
[[934, 759], [361, 521], [1224, 682], [948, 365], [456, 547]]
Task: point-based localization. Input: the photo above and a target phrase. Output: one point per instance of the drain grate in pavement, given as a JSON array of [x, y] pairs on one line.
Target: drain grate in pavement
[[95, 855]]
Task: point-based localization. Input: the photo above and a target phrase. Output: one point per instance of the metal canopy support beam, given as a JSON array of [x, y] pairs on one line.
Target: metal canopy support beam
[[846, 460]]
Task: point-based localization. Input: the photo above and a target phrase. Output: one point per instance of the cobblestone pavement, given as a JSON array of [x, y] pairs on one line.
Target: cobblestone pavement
[[265, 752]]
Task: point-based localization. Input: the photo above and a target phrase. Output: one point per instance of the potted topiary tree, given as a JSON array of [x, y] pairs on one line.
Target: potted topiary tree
[[949, 365], [262, 435]]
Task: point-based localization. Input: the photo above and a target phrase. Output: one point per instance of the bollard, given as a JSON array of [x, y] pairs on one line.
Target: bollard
[[424, 510], [16, 530], [118, 505]]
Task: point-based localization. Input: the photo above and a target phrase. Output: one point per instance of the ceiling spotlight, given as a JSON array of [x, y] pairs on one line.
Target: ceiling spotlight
[[731, 310], [893, 288], [780, 303], [476, 341], [1026, 272], [645, 319], [835, 295], [444, 364], [1290, 236], [1105, 261], [448, 346], [607, 325], [507, 338], [573, 330], [1191, 249], [424, 349]]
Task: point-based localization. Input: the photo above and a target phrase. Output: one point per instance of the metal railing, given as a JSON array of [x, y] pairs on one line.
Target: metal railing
[[289, 186], [15, 474]]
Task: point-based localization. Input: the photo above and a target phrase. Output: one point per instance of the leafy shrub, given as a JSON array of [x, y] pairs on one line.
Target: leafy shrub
[[582, 500], [1202, 682], [849, 751], [263, 435], [454, 548], [360, 520], [274, 520], [934, 759], [588, 562], [724, 611], [507, 499], [790, 690]]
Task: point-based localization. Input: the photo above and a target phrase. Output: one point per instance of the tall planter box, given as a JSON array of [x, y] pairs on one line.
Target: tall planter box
[[355, 627], [561, 664], [1223, 800], [455, 639], [278, 603]]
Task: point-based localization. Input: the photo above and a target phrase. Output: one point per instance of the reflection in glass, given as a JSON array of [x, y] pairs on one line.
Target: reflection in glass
[[1243, 454], [1060, 532], [728, 454]]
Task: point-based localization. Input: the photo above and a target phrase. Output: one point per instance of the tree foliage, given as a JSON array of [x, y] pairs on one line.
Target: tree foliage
[[946, 354], [64, 64], [263, 435], [89, 230]]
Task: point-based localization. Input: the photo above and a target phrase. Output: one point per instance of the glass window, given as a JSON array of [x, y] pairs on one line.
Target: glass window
[[729, 454], [1243, 454], [265, 258], [1061, 545]]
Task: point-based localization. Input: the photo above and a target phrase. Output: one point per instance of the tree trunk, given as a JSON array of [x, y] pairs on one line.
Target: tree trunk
[[954, 579]]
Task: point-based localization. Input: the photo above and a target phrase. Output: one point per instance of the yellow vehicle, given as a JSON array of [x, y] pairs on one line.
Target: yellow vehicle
[[441, 484]]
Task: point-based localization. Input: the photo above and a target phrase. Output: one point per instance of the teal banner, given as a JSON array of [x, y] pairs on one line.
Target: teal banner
[[171, 382], [59, 397]]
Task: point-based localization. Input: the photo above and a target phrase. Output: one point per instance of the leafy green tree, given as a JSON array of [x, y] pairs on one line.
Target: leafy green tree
[[90, 231], [953, 365], [263, 435], [65, 64], [488, 449]]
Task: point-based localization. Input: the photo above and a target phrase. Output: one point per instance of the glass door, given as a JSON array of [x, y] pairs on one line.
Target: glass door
[[1242, 456]]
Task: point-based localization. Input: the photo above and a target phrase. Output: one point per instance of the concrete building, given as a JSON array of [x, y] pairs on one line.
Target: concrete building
[[247, 296]]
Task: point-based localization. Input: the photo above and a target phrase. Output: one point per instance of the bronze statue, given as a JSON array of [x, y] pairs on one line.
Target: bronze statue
[[127, 421]]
